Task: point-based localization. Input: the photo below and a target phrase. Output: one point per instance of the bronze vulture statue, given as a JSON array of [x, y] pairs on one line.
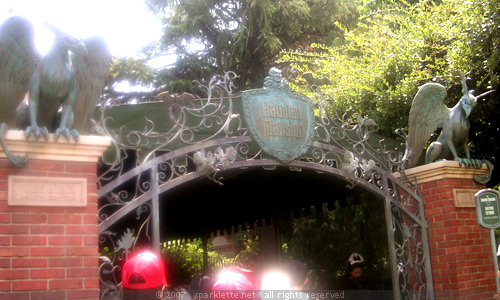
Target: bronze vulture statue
[[57, 92], [428, 113]]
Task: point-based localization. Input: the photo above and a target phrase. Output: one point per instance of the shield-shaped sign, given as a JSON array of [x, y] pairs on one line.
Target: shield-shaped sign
[[280, 121]]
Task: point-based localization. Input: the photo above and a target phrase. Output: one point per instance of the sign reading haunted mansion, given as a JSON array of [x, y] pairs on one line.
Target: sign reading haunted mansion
[[281, 121]]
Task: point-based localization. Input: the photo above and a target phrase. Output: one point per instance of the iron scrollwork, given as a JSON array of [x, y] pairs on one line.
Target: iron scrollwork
[[207, 136]]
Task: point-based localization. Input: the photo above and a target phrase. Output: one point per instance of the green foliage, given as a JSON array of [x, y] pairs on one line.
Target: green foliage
[[398, 48], [249, 256], [325, 241], [184, 261], [242, 36], [136, 72]]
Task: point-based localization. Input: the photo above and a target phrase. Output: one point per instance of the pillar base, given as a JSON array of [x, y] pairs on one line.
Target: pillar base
[[460, 249], [48, 243]]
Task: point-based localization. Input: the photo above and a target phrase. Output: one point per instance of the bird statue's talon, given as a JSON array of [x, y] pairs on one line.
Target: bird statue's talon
[[45, 133], [28, 132], [67, 134], [477, 163], [480, 163], [63, 131], [462, 161], [473, 163], [32, 130], [75, 134], [467, 162], [470, 163]]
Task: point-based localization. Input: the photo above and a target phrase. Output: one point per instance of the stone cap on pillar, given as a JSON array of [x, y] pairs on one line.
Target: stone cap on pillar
[[464, 187], [87, 149], [446, 169]]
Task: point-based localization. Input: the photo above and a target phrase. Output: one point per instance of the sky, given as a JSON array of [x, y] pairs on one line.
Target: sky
[[126, 25]]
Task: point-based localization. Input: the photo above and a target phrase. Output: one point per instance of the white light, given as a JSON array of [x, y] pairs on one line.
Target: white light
[[126, 25], [275, 281]]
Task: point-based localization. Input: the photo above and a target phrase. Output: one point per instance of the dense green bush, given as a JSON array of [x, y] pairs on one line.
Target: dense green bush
[[398, 48], [324, 241], [185, 260]]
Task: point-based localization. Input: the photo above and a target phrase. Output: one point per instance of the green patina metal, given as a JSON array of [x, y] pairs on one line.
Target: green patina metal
[[280, 121], [428, 113], [162, 147], [488, 209], [155, 126], [52, 87]]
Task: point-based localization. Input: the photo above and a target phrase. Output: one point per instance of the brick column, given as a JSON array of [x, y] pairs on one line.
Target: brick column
[[461, 258], [48, 219]]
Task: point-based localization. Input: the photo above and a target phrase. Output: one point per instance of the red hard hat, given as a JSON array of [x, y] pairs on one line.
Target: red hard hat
[[143, 271]]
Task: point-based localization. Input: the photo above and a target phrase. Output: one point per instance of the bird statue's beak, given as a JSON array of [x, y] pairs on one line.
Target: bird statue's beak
[[484, 94]]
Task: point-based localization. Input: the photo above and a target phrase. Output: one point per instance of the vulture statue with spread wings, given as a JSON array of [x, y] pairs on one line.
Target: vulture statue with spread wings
[[57, 92], [428, 113]]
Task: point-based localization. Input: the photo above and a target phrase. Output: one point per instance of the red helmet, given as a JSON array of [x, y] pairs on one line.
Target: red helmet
[[143, 271]]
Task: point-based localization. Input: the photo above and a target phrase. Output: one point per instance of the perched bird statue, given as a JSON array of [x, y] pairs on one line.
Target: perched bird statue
[[428, 113], [53, 86], [91, 75]]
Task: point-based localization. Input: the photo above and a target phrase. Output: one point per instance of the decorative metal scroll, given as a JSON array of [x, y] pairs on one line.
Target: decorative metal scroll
[[207, 136]]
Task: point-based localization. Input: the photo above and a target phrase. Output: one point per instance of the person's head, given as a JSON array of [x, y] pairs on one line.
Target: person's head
[[297, 273], [356, 272], [355, 265], [275, 281], [143, 276], [233, 281], [201, 283]]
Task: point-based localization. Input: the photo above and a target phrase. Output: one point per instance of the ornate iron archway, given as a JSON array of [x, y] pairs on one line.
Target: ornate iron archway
[[209, 137]]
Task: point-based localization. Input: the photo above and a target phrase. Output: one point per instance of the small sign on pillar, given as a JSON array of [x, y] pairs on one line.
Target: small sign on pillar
[[488, 216], [488, 208]]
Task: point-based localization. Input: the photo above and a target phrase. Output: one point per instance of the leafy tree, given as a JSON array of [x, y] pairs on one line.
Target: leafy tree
[[248, 241], [393, 51], [324, 241], [184, 261], [244, 36], [136, 72]]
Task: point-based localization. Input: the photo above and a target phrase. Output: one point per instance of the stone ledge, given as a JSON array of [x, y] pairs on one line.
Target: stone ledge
[[446, 169], [87, 149]]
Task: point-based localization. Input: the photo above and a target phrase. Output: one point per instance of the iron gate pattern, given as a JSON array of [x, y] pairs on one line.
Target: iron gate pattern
[[208, 136]]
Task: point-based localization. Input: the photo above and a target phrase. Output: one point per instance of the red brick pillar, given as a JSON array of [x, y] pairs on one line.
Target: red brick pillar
[[461, 253], [48, 219]]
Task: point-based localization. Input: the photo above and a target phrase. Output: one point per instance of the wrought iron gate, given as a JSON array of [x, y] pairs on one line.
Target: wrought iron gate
[[209, 137]]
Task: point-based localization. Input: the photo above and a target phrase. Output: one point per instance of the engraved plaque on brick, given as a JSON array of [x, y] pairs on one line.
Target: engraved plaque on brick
[[464, 197], [47, 191]]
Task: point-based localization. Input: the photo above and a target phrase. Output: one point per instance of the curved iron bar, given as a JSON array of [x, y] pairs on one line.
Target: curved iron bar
[[320, 163], [341, 148]]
